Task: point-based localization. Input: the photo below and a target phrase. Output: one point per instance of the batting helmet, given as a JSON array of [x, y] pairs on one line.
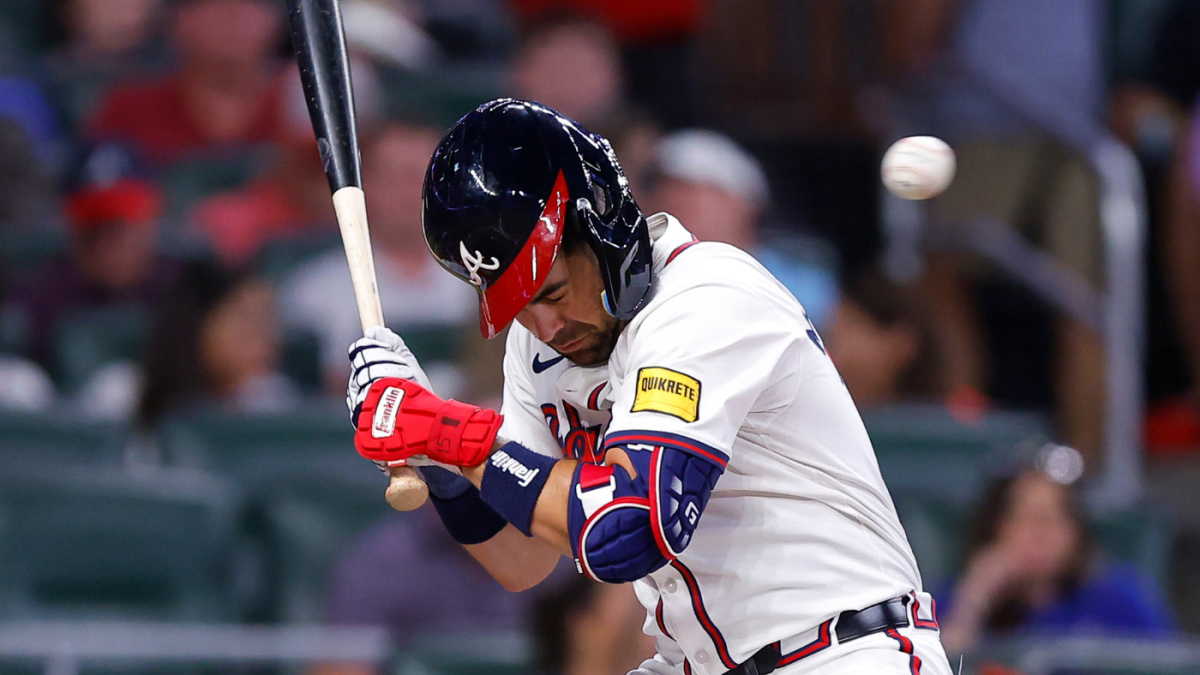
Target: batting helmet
[[501, 187]]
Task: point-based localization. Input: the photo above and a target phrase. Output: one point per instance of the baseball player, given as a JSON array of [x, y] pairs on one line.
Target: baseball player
[[670, 418]]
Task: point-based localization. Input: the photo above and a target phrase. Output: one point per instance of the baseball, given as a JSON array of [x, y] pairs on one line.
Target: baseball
[[918, 167]]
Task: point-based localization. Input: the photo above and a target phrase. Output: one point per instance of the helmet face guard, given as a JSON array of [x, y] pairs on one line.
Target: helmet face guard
[[499, 191]]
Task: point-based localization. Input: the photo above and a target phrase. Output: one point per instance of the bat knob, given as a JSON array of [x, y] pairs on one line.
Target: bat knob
[[407, 491]]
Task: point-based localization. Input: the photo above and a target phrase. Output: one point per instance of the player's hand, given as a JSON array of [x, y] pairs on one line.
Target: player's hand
[[400, 421], [381, 353]]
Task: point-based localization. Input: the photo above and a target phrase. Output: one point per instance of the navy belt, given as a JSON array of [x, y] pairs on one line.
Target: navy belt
[[851, 625]]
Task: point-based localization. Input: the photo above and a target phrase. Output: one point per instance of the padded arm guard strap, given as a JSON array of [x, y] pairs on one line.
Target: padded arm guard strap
[[623, 529]]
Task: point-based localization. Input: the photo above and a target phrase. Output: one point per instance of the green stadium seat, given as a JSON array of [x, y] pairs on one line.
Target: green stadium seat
[[301, 359], [309, 490], [104, 543], [926, 450], [311, 522], [1141, 537], [26, 20], [433, 343], [938, 529], [26, 250], [316, 439], [190, 181], [14, 330], [54, 438], [87, 340], [280, 256]]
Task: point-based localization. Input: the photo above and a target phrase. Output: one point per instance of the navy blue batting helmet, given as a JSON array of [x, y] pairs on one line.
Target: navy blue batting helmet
[[500, 188]]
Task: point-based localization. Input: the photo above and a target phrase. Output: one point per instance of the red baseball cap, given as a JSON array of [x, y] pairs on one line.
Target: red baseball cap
[[128, 200]]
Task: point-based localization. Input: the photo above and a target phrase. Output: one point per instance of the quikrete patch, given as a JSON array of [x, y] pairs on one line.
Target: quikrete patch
[[667, 391]]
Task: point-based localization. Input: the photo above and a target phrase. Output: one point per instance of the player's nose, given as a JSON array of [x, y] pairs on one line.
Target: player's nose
[[543, 322]]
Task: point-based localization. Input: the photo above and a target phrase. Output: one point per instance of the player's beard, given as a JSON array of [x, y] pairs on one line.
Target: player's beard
[[598, 344]]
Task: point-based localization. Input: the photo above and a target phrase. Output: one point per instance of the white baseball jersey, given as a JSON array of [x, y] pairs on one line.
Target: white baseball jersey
[[800, 526]]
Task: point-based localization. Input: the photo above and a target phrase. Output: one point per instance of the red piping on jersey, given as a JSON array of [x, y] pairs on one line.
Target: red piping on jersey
[[680, 249], [822, 641], [702, 616], [658, 617], [918, 622], [655, 508], [906, 646], [687, 667], [675, 440], [593, 402]]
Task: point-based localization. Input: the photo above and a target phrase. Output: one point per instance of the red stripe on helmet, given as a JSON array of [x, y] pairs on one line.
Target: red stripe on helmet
[[503, 299]]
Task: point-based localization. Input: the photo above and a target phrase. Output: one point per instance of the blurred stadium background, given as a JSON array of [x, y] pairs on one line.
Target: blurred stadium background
[[178, 488]]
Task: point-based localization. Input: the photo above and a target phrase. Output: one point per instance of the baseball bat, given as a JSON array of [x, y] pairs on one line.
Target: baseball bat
[[319, 41]]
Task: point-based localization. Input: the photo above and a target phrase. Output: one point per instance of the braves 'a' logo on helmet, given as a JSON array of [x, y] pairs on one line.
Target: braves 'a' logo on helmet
[[474, 262]]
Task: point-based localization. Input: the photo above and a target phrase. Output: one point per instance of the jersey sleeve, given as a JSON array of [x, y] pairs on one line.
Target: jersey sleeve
[[523, 420], [695, 367]]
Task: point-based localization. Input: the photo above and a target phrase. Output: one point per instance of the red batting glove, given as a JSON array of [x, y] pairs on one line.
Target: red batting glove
[[400, 419]]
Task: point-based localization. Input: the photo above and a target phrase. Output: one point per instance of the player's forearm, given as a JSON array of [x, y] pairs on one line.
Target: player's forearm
[[550, 514], [516, 561]]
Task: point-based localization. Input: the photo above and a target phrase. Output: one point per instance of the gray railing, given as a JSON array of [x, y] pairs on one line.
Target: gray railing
[[1090, 654], [65, 647]]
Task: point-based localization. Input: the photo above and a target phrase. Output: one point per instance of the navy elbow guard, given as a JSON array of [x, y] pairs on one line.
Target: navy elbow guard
[[623, 529]]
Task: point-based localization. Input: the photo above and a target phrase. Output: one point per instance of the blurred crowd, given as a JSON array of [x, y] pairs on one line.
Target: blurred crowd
[[167, 240]]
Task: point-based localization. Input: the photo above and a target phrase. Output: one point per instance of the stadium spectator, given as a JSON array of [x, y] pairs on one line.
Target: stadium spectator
[[879, 339], [291, 199], [1022, 116], [656, 44], [573, 64], [28, 201], [585, 628], [23, 101], [1149, 105], [1175, 424], [104, 41], [719, 191], [1150, 111], [1033, 569], [318, 296], [223, 95], [215, 343], [113, 226]]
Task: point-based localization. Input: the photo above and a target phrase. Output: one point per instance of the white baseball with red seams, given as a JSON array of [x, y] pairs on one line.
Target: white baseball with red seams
[[918, 167]]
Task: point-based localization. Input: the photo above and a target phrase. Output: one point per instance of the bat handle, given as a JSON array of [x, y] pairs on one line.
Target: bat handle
[[406, 491]]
